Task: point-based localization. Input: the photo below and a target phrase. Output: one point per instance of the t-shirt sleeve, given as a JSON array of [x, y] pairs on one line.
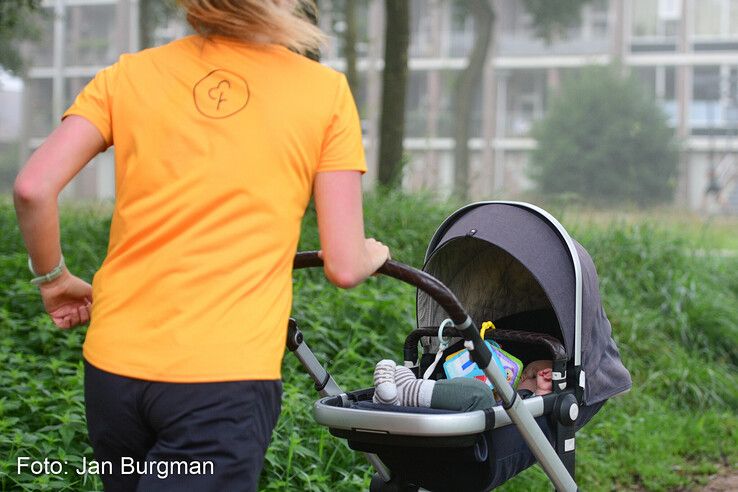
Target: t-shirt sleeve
[[343, 149], [95, 101]]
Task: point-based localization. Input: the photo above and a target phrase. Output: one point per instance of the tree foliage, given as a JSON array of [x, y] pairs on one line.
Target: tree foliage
[[18, 23], [551, 19], [603, 138]]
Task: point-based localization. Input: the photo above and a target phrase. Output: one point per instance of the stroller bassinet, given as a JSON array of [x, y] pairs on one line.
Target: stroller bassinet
[[514, 264]]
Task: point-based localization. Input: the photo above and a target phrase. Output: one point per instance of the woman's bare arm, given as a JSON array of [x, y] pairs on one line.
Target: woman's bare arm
[[64, 153], [349, 258]]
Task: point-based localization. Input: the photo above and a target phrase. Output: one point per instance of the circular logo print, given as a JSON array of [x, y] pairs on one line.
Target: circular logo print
[[221, 94]]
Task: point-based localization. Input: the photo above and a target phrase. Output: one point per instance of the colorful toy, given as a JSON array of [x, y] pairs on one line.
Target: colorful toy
[[460, 365]]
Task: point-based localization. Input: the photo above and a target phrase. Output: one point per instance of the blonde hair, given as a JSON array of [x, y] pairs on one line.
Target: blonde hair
[[283, 22]]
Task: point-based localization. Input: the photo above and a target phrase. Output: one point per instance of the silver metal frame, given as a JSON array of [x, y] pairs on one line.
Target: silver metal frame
[[572, 252], [316, 370], [414, 424], [318, 373]]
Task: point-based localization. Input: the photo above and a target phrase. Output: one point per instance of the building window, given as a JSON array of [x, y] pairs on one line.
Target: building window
[[597, 19], [526, 92], [707, 18], [706, 84], [660, 83], [421, 29], [90, 33], [421, 103], [656, 19], [714, 106], [730, 96], [416, 105], [462, 29], [705, 111], [733, 16], [715, 19], [73, 87], [40, 115]]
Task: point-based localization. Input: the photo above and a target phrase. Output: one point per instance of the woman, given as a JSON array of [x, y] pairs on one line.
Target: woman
[[220, 138]]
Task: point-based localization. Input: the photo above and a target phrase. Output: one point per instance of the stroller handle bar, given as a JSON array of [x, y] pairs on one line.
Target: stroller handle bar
[[417, 278]]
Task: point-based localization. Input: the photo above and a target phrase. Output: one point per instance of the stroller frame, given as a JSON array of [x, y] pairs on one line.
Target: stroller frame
[[557, 463]]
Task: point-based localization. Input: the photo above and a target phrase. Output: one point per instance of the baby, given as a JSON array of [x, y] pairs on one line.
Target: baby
[[537, 377], [397, 385]]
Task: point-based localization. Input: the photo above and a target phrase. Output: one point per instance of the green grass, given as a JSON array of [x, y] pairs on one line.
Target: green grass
[[674, 316], [699, 232]]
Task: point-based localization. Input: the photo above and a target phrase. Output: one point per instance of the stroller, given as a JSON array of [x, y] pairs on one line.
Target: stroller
[[514, 264]]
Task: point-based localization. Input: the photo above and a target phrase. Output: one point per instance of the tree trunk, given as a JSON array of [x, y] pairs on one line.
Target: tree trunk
[[394, 81], [349, 41], [466, 88]]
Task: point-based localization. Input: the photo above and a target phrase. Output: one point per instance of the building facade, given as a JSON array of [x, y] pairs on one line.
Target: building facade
[[684, 51]]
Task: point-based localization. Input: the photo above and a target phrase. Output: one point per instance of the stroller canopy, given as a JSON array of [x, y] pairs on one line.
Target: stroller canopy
[[503, 259]]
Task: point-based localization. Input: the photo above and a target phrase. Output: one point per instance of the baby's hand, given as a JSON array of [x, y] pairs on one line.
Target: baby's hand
[[544, 384]]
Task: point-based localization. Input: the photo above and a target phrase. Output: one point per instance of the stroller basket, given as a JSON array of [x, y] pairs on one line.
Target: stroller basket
[[514, 264]]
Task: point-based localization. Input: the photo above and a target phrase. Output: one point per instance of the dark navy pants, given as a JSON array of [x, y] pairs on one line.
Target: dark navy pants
[[154, 436]]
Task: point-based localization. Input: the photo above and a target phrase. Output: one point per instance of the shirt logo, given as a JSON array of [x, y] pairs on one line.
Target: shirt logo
[[221, 94]]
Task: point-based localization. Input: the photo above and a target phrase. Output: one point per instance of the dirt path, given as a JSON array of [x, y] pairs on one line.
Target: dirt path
[[723, 483]]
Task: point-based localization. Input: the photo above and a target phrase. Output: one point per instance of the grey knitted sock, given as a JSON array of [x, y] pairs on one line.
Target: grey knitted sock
[[385, 390], [413, 392]]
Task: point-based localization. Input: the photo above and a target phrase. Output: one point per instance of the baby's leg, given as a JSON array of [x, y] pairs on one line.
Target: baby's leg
[[385, 390], [462, 395], [413, 392]]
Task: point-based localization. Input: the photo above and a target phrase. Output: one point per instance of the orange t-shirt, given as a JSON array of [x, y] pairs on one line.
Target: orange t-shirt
[[217, 144]]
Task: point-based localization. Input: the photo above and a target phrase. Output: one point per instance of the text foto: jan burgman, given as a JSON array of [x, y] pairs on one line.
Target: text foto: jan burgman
[[128, 466]]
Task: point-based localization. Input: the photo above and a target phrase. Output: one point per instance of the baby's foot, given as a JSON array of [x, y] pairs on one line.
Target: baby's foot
[[385, 390], [413, 392]]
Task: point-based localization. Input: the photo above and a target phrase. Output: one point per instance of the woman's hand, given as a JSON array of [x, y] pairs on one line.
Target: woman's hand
[[377, 253], [68, 300]]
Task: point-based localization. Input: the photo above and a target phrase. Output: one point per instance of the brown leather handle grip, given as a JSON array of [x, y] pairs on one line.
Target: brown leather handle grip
[[417, 278]]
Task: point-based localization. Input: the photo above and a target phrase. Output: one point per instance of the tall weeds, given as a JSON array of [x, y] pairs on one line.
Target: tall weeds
[[674, 316]]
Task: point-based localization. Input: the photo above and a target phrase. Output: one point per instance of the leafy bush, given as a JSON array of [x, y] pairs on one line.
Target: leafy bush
[[605, 140]]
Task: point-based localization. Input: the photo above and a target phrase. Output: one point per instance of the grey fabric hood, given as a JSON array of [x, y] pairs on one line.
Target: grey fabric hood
[[506, 258]]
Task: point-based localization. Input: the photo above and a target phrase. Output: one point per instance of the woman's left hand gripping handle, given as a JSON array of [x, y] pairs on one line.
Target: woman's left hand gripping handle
[[68, 300]]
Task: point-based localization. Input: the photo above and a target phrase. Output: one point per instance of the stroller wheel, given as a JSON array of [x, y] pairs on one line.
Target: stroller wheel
[[394, 485]]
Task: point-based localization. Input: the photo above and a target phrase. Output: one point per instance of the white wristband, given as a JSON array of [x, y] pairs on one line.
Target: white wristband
[[42, 279]]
